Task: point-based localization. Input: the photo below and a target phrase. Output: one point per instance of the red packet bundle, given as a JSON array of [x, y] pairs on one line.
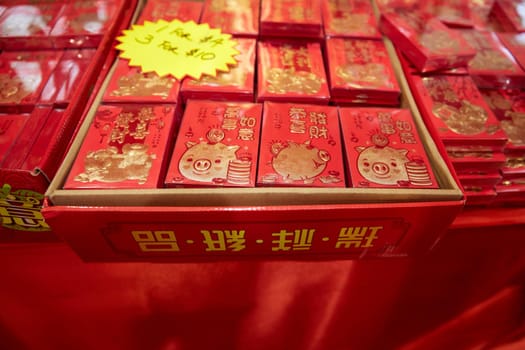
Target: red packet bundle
[[84, 23], [454, 107], [10, 127], [237, 17], [361, 70], [64, 79], [479, 195], [383, 149], [349, 18], [475, 161], [300, 146], [510, 14], [453, 13], [169, 10], [130, 84], [23, 75], [514, 166], [291, 18], [493, 66], [480, 13], [426, 42], [509, 107], [125, 147], [488, 178], [235, 85], [515, 43], [217, 145], [27, 26], [291, 72]]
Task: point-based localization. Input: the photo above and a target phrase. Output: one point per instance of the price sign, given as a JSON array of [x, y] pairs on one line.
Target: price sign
[[178, 48]]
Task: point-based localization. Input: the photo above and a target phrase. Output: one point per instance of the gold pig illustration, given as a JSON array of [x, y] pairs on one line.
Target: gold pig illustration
[[299, 161], [383, 165]]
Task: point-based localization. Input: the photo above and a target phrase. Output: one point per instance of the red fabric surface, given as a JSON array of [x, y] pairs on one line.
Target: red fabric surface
[[50, 299]]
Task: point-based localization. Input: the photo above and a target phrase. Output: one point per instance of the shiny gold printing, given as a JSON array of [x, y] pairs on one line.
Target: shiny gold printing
[[236, 77], [283, 81], [357, 22], [364, 75], [469, 119], [491, 60], [12, 89], [144, 84], [439, 42]]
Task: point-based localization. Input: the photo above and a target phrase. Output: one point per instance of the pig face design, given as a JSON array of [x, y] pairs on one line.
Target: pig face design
[[144, 84], [207, 162], [469, 119], [299, 162], [383, 165]]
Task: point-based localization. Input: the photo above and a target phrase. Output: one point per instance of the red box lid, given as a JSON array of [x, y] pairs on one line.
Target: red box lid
[[300, 146], [454, 107], [125, 147], [234, 85], [291, 72], [169, 10], [384, 150], [351, 18], [217, 145], [239, 18], [129, 84]]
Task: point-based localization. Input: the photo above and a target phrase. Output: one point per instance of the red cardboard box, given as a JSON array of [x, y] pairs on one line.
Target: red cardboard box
[[83, 24], [383, 149], [239, 18], [426, 42], [493, 66], [349, 18], [291, 19], [169, 10], [64, 80], [361, 69], [291, 72], [131, 85], [217, 145], [238, 84], [125, 147], [205, 224], [23, 75], [454, 107], [27, 26], [300, 146]]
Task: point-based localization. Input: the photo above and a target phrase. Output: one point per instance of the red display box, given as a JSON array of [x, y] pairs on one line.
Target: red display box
[[493, 66], [203, 224], [350, 18], [291, 71], [28, 26], [300, 146], [169, 10], [22, 189], [217, 145], [238, 17], [361, 70], [455, 108], [126, 147], [83, 24], [130, 85], [383, 149], [291, 19], [23, 75], [65, 78], [238, 84], [426, 42]]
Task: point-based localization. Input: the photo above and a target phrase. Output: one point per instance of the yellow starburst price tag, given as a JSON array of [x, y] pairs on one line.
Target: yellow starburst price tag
[[178, 48]]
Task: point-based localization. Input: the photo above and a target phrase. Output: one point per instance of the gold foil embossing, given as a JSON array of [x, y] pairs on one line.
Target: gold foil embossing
[[469, 119], [108, 165], [497, 101], [12, 89], [144, 84], [364, 75], [515, 162], [355, 22], [439, 42], [282, 81], [236, 77], [491, 60], [515, 129]]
